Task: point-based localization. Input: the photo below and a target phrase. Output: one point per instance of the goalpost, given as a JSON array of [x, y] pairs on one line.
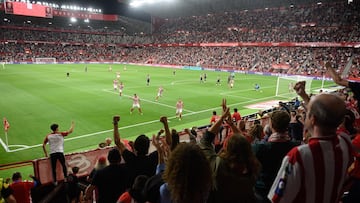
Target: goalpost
[[285, 85], [45, 60]]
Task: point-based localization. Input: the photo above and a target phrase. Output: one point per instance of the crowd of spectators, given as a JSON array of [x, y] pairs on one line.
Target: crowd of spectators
[[255, 156], [336, 22], [287, 60], [243, 163], [297, 60], [252, 157], [322, 22]]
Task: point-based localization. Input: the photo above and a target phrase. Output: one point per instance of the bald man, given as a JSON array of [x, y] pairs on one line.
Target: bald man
[[315, 172]]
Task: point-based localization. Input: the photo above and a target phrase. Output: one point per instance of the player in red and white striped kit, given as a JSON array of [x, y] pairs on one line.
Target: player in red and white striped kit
[[136, 104], [159, 94], [121, 87], [115, 84], [179, 108]]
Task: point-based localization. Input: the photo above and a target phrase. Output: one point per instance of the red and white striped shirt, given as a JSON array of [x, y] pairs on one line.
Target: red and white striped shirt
[[179, 105], [136, 100], [314, 172]]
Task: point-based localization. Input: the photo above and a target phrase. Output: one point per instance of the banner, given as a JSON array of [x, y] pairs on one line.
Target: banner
[[84, 160]]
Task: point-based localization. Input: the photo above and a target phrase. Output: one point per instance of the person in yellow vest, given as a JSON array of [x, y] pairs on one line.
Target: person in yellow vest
[[6, 194]]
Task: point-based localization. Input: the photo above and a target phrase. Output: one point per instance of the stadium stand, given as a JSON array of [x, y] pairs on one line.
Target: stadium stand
[[278, 40]]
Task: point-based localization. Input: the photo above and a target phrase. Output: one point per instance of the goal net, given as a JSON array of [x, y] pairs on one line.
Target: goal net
[[45, 60], [285, 85]]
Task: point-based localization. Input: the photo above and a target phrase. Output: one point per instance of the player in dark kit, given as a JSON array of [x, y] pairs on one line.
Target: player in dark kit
[[147, 80]]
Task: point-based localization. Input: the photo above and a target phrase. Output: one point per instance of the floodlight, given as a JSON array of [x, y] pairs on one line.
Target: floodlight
[[135, 4], [73, 20]]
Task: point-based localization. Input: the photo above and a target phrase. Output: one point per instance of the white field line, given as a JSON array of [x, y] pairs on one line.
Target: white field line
[[131, 126], [4, 145]]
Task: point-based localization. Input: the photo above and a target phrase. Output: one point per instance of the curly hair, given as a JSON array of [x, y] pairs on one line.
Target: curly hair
[[188, 174], [238, 152]]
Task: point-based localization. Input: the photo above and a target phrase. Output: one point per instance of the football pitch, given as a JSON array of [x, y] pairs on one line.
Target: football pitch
[[35, 96]]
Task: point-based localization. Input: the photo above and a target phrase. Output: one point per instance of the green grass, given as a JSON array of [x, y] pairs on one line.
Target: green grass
[[35, 96]]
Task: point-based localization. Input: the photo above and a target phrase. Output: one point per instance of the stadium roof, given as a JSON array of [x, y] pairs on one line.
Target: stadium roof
[[180, 8]]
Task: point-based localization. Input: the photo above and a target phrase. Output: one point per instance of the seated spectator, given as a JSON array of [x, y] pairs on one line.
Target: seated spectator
[[106, 143], [22, 189]]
